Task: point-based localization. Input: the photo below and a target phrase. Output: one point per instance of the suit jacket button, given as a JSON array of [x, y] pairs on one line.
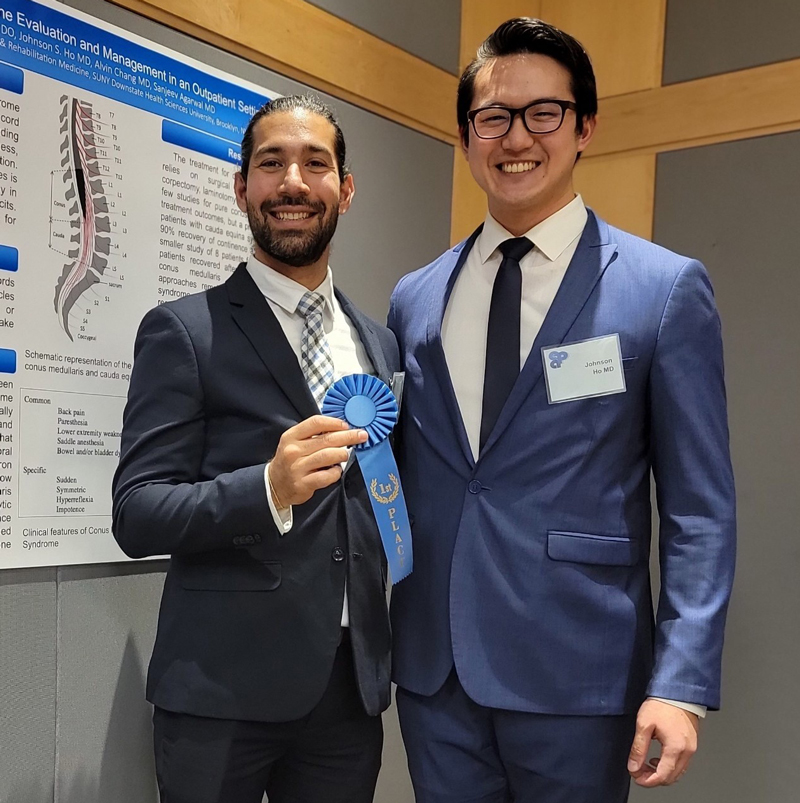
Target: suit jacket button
[[475, 487], [338, 554]]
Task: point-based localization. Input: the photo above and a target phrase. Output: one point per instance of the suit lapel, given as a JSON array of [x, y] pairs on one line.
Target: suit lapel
[[593, 255], [438, 298], [369, 338], [253, 316]]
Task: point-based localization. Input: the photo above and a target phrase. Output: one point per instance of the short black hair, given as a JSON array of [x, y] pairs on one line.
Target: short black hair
[[528, 35], [290, 103]]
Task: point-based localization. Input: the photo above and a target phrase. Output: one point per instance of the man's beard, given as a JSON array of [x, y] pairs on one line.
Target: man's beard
[[298, 248]]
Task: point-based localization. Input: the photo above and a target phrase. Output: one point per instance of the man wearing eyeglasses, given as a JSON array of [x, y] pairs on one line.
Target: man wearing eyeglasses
[[552, 363]]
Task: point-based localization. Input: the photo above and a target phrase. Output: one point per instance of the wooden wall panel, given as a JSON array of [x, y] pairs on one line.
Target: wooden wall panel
[[479, 18], [469, 201], [310, 45], [624, 39], [725, 107], [620, 189]]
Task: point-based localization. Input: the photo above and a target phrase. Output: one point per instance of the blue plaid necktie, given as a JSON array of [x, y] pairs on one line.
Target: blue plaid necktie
[[315, 354]]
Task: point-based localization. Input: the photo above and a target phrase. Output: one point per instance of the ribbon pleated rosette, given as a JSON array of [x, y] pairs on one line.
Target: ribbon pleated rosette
[[367, 403]]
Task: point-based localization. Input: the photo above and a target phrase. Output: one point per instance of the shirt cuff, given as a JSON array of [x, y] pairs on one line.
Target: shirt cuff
[[692, 708], [283, 518]]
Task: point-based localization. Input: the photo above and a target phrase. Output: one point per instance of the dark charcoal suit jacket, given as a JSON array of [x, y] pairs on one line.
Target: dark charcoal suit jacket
[[250, 619]]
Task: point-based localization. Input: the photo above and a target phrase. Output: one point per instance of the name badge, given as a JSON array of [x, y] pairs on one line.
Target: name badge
[[583, 370]]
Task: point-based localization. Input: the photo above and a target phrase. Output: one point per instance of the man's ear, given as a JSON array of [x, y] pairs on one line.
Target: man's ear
[[463, 139], [585, 137], [347, 192], [240, 191]]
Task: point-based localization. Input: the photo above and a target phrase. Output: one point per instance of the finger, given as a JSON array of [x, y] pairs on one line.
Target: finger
[[684, 759], [639, 747], [323, 478], [349, 437], [649, 780], [316, 425], [666, 767], [324, 458], [663, 771], [644, 777]]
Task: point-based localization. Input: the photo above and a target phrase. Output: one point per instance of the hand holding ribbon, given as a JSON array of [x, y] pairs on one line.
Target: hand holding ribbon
[[367, 403], [308, 458]]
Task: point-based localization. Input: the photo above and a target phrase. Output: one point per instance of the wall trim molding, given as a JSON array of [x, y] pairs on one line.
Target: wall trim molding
[[700, 112], [310, 45]]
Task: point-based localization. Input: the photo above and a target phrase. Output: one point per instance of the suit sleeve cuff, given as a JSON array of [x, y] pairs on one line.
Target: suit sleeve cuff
[[693, 708], [283, 518]]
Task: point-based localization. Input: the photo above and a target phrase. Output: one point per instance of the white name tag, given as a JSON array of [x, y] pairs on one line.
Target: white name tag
[[583, 370]]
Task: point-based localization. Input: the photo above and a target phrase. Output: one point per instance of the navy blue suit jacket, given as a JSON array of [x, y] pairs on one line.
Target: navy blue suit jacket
[[532, 564], [250, 620]]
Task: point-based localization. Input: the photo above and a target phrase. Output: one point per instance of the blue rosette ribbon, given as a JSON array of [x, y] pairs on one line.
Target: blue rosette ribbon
[[367, 403]]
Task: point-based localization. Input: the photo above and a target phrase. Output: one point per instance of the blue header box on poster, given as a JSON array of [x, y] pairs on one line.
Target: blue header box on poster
[[8, 361], [9, 258], [195, 140], [11, 79]]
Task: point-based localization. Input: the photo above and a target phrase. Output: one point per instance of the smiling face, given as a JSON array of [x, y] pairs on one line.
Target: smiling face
[[526, 177], [293, 195]]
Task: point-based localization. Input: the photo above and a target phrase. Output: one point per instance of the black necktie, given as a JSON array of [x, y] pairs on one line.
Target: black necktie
[[502, 337]]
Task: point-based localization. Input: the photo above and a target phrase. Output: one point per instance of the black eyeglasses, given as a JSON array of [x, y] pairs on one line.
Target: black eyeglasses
[[539, 117]]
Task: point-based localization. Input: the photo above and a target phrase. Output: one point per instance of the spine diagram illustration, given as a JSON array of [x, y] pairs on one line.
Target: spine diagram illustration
[[85, 212]]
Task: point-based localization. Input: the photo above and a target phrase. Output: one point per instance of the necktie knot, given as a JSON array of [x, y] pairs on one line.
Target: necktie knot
[[515, 248], [310, 303]]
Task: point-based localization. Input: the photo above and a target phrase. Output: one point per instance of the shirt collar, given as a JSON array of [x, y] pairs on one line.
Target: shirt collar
[[551, 236], [286, 292]]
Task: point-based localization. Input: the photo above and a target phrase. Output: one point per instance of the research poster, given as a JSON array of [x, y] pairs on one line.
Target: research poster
[[117, 159]]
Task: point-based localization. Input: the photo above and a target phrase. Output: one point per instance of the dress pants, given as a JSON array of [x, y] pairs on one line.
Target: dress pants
[[462, 752], [332, 754]]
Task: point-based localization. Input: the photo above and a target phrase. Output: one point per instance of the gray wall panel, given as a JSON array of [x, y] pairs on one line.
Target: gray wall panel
[[706, 37], [106, 634], [428, 30], [394, 784], [734, 207], [28, 619]]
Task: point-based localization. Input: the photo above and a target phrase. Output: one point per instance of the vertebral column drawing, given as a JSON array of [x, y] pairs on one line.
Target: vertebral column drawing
[[88, 252]]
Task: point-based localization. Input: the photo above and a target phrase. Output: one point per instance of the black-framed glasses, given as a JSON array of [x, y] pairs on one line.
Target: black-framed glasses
[[540, 117]]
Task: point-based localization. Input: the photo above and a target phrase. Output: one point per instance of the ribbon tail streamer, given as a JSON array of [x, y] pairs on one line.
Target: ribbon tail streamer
[[382, 478]]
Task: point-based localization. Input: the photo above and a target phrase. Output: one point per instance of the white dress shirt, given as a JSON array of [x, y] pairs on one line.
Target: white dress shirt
[[467, 315], [349, 356], [466, 318]]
